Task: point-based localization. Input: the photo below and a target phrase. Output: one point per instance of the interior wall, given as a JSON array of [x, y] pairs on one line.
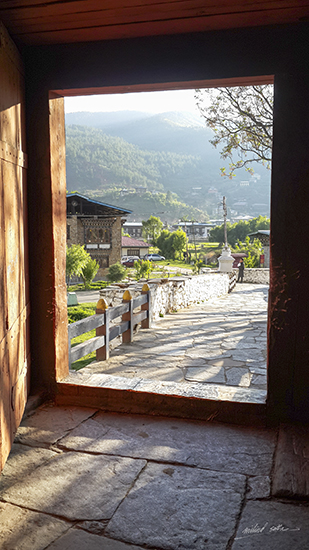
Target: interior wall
[[14, 294]]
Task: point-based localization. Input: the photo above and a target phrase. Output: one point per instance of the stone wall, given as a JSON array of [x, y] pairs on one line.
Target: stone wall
[[169, 295], [76, 231], [113, 254], [256, 275]]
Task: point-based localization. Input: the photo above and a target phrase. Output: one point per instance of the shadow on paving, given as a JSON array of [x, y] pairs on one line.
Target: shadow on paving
[[80, 479]]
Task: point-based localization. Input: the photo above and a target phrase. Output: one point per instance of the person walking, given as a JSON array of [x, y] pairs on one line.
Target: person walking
[[241, 269]]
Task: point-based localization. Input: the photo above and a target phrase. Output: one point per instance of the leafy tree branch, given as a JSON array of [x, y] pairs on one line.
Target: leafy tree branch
[[242, 121]]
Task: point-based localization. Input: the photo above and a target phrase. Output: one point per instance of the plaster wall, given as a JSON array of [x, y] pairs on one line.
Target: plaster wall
[[168, 295]]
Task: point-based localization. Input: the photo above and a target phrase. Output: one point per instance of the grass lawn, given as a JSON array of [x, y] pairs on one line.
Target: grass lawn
[[174, 263], [97, 285], [84, 361], [76, 313]]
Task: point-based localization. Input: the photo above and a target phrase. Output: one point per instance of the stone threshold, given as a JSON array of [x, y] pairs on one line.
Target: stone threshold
[[230, 404]]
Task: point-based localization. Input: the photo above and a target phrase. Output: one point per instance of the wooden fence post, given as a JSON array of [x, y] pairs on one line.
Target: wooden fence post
[[127, 336], [102, 354], [146, 323]]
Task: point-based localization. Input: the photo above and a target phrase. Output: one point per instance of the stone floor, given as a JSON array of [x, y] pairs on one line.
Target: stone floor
[[215, 349], [80, 479]]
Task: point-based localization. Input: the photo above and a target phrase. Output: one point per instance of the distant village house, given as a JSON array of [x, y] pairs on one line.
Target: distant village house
[[134, 247], [264, 236], [97, 226], [195, 230], [134, 229]]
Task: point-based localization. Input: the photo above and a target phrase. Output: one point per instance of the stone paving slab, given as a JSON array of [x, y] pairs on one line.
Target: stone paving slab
[[258, 487], [215, 392], [205, 374], [206, 445], [122, 482], [50, 423], [236, 376], [76, 486], [76, 539], [23, 529], [177, 507], [273, 526], [23, 460], [229, 331], [211, 391], [166, 371]]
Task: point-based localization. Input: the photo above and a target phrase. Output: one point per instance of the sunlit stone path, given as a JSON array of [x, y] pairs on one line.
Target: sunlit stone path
[[216, 349]]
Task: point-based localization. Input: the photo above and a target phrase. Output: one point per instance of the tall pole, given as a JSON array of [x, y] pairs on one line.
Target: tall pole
[[225, 260], [224, 217]]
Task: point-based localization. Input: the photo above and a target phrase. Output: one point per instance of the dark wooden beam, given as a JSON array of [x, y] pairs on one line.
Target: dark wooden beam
[[46, 22], [47, 243], [288, 346]]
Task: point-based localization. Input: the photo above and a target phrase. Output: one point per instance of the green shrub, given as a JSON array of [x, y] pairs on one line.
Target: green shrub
[[116, 273], [89, 272], [198, 264], [143, 268]]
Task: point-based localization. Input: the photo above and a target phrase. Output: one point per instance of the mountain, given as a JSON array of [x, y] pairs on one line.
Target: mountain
[[177, 132], [103, 120], [97, 160], [168, 152]]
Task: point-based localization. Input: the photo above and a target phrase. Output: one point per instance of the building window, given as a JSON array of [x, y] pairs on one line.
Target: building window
[[96, 235], [104, 235], [68, 232], [133, 252], [103, 261]]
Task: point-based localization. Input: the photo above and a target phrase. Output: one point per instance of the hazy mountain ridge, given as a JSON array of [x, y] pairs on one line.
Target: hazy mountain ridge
[[175, 132], [165, 152]]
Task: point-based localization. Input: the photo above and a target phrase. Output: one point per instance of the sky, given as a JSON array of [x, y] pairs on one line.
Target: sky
[[150, 102]]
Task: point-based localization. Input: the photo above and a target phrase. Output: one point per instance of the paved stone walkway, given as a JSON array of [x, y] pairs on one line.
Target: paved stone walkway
[[215, 349], [81, 479]]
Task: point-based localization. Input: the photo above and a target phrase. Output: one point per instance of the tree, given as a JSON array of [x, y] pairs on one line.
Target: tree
[[238, 231], [76, 259], [171, 243], [164, 244], [152, 227], [242, 120], [179, 241], [253, 251], [89, 272]]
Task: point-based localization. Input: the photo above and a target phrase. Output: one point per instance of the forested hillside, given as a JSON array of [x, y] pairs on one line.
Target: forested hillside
[[98, 161], [119, 156]]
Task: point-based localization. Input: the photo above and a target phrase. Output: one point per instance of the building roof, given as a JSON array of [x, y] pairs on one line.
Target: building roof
[[80, 205], [128, 241], [260, 232], [196, 224]]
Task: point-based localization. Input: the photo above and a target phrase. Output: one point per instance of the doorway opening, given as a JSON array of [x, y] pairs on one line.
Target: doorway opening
[[241, 363]]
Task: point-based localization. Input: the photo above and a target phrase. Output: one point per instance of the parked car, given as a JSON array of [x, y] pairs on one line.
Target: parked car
[[129, 262], [154, 257]]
